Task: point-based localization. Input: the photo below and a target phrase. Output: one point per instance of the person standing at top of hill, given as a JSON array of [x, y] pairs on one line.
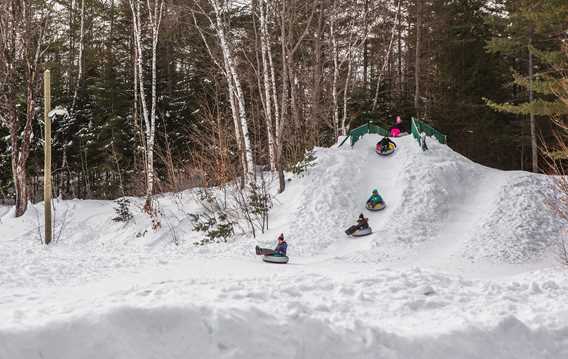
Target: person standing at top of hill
[[397, 128]]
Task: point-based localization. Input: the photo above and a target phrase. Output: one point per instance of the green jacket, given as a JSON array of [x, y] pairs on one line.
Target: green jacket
[[375, 198]]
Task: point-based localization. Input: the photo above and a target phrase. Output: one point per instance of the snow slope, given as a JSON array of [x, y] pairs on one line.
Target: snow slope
[[460, 265], [442, 208]]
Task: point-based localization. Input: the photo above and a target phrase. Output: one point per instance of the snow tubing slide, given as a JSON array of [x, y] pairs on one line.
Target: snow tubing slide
[[362, 232], [377, 207], [390, 151], [269, 258]]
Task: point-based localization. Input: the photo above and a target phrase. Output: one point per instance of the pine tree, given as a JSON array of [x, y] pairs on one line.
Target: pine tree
[[530, 37]]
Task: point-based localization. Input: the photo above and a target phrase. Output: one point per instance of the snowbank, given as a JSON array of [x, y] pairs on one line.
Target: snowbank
[[204, 332], [459, 266]]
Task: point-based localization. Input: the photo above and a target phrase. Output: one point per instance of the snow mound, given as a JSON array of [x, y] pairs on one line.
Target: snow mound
[[436, 200], [449, 271], [200, 332], [521, 225]]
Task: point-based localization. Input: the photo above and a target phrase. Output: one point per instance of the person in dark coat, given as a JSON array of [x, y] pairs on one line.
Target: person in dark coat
[[280, 249], [362, 223], [383, 145]]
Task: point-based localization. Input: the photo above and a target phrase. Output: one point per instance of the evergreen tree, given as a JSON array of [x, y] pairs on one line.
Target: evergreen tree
[[529, 33]]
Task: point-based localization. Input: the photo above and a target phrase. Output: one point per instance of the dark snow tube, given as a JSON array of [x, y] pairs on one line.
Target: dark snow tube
[[390, 151], [362, 232], [378, 207], [275, 259]]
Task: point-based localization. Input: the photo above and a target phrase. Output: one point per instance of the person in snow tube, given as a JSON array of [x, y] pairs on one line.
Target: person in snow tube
[[280, 249], [384, 145], [362, 223], [375, 199]]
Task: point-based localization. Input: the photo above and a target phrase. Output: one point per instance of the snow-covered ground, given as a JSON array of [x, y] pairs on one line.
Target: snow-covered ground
[[461, 264]]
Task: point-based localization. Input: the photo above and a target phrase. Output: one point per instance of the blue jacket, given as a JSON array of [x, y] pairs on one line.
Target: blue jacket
[[281, 248]]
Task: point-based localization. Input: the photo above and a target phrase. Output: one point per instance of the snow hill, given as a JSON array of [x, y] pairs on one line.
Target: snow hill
[[461, 264]]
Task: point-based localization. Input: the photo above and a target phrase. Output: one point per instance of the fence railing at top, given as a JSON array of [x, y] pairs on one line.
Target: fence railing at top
[[417, 127], [356, 133]]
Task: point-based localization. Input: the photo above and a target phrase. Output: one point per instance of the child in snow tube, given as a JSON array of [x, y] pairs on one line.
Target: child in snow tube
[[362, 223], [384, 145], [280, 249], [375, 199]]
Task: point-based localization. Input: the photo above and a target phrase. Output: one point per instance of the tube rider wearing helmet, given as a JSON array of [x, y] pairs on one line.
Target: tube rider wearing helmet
[[375, 199]]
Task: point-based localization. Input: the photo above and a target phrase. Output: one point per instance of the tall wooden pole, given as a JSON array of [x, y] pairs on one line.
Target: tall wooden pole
[[47, 156]]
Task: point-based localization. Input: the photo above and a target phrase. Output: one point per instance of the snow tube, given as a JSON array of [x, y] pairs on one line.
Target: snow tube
[[392, 148], [377, 207], [271, 258], [362, 232]]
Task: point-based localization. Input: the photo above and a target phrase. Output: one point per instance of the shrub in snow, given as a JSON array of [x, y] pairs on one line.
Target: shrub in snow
[[216, 221], [123, 213], [232, 206], [254, 202], [259, 200], [309, 161], [216, 227]]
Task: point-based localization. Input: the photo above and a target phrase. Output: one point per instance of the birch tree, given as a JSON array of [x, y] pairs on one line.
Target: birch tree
[[23, 29], [220, 24], [80, 57], [387, 57], [288, 19], [155, 10], [417, 59], [354, 43], [267, 83]]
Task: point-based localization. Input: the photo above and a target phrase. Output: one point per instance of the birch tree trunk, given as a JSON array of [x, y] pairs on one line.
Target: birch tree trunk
[[23, 35], [399, 41], [317, 79], [417, 57], [220, 9], [231, 92], [155, 12], [264, 43], [80, 59], [284, 94], [386, 60], [346, 95], [335, 56]]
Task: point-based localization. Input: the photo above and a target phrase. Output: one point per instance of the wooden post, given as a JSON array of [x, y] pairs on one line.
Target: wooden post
[[47, 156]]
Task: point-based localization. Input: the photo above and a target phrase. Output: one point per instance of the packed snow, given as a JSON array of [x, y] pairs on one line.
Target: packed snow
[[461, 264]]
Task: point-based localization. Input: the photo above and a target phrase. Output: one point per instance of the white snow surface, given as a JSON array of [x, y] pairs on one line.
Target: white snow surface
[[461, 264]]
